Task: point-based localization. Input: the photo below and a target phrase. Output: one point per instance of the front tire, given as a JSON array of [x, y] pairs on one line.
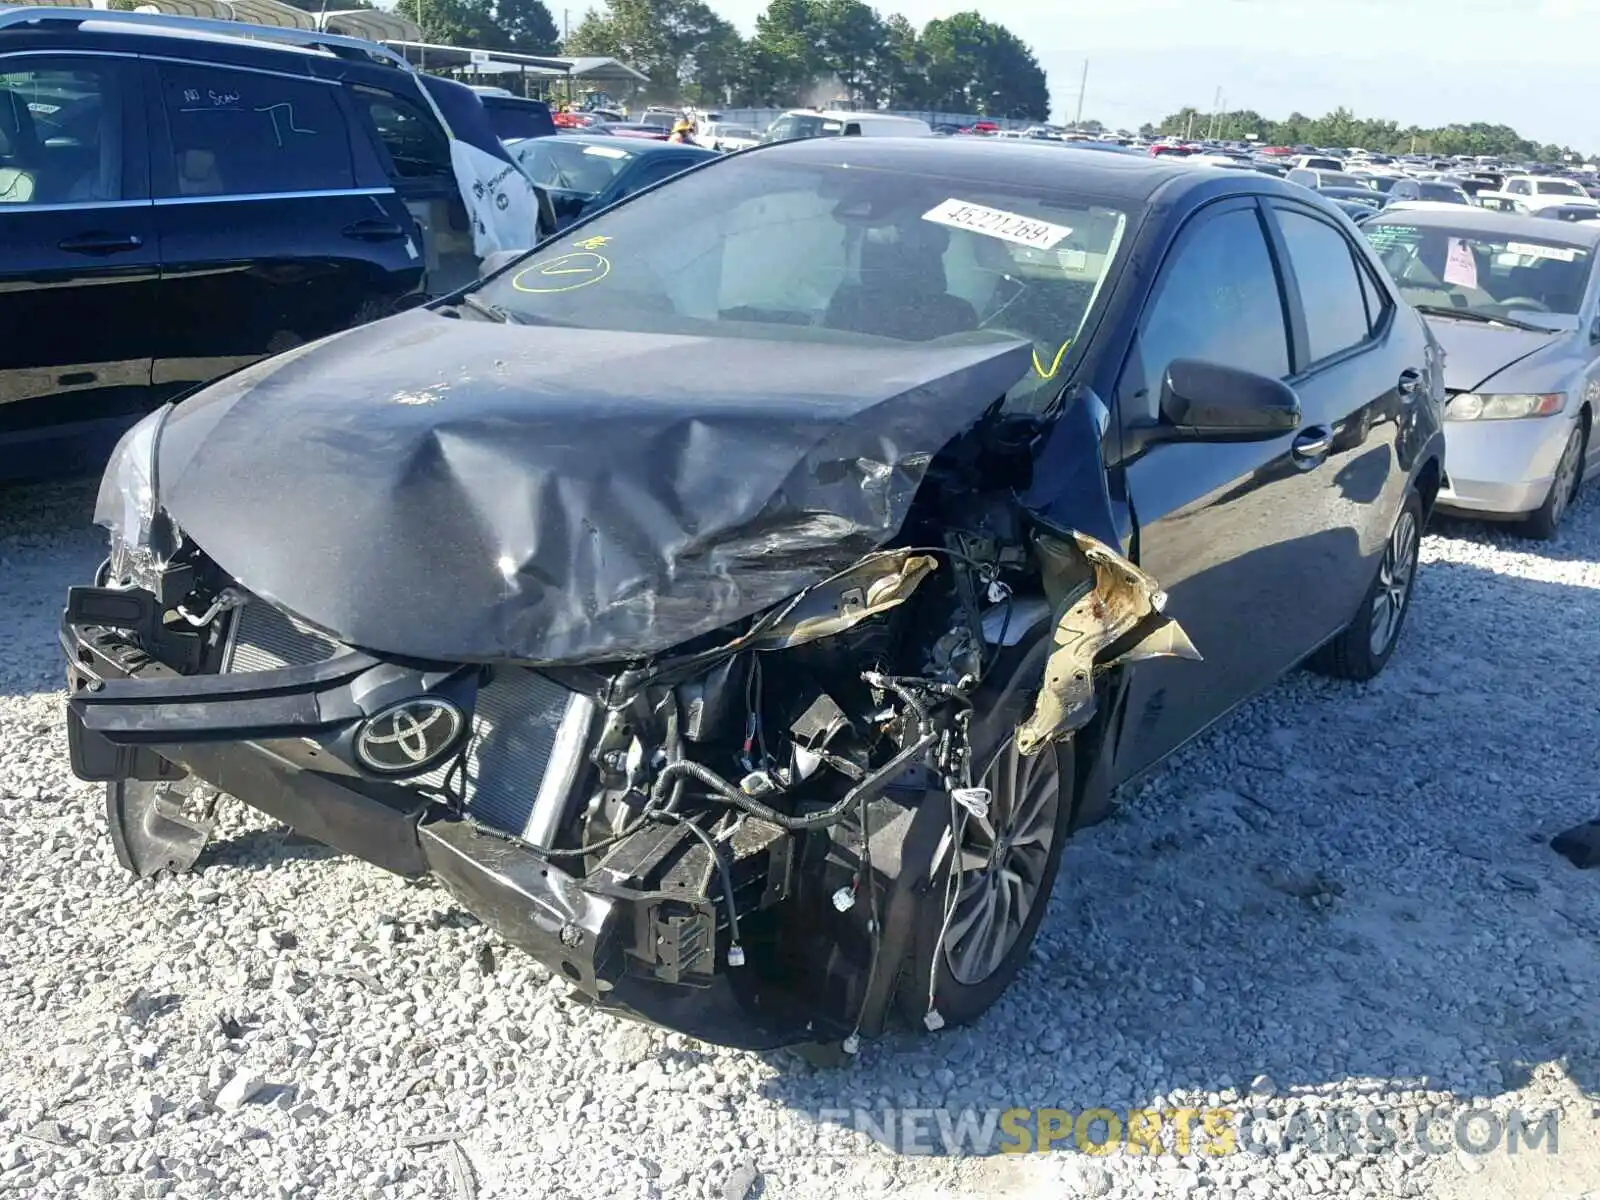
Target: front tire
[[1007, 870], [1365, 646], [1543, 523]]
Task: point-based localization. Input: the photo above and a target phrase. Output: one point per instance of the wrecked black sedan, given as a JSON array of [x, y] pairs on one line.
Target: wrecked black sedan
[[738, 600]]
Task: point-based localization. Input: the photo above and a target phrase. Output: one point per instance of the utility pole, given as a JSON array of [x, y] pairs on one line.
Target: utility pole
[[566, 26], [1083, 84], [1211, 125], [1188, 129]]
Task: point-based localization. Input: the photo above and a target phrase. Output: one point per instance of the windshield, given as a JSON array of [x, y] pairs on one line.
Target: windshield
[[570, 165], [1340, 179], [758, 248], [1558, 187], [792, 126], [1446, 193], [1494, 275], [738, 131]]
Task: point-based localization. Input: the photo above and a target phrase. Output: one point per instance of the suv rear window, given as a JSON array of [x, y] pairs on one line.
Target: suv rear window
[[512, 118], [243, 133]]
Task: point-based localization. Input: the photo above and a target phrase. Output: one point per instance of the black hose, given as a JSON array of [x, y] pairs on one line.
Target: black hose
[[755, 808]]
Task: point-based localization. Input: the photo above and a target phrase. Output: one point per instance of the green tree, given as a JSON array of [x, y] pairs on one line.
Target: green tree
[[903, 75], [527, 25], [977, 66], [687, 51], [454, 22], [786, 52], [852, 44]]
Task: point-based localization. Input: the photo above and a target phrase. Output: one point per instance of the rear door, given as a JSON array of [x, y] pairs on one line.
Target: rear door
[[1356, 368], [1235, 532], [268, 238], [78, 255]]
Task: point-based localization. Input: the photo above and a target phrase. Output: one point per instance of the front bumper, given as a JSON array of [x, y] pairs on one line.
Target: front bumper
[[264, 738], [1501, 468]]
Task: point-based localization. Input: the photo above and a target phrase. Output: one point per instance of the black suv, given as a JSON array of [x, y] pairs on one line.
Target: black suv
[[181, 198]]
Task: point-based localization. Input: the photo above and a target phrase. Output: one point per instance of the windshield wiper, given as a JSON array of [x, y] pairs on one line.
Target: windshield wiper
[[1468, 314]]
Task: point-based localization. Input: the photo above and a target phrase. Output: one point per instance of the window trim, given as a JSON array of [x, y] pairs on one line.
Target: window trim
[[1305, 366], [1187, 230], [162, 147]]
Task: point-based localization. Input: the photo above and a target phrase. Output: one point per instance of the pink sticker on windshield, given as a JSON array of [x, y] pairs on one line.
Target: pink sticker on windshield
[[1460, 268]]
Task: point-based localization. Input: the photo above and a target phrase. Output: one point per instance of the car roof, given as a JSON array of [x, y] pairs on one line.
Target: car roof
[[1129, 179], [1498, 224], [96, 24]]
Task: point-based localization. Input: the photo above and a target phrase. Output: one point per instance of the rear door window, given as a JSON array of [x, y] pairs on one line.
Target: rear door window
[[250, 133], [416, 146], [1330, 291]]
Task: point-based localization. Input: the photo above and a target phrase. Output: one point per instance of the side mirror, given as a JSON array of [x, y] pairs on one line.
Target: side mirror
[[1208, 402], [1594, 330]]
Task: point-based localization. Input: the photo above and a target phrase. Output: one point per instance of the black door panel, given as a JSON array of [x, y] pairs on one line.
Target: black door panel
[[76, 324], [245, 278], [266, 241], [1353, 360], [1230, 529], [79, 271]]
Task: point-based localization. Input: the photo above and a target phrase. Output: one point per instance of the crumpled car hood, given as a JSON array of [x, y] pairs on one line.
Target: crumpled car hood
[[463, 490], [1474, 354]]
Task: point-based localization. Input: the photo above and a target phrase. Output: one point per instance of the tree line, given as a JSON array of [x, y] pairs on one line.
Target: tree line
[[803, 52], [810, 51], [1342, 128]]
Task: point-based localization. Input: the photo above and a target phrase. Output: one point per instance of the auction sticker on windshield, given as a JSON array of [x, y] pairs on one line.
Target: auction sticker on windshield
[[997, 223], [1534, 250]]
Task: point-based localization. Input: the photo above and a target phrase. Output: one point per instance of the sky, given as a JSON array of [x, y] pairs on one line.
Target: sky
[[1529, 64]]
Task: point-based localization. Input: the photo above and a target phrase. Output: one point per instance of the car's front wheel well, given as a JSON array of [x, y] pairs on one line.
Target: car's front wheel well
[[1428, 480]]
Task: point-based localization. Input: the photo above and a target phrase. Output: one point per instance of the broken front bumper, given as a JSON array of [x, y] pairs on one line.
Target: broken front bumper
[[272, 739]]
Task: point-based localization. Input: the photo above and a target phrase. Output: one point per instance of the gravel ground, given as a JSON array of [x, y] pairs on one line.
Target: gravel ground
[[1342, 896]]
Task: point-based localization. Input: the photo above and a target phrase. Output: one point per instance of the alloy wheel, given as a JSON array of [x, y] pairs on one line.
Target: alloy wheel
[[1565, 486], [1002, 863], [1396, 573]]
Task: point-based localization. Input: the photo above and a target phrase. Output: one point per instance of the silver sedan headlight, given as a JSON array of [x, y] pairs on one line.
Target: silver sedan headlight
[[1503, 406], [126, 504]]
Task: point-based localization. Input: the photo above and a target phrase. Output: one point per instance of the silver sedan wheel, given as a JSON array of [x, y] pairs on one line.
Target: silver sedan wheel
[[1565, 486], [1003, 860], [1396, 573]]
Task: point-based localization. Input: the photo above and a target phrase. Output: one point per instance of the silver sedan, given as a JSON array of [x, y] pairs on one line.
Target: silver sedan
[[1515, 301]]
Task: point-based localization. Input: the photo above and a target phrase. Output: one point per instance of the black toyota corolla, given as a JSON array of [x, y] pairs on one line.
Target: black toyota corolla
[[738, 600]]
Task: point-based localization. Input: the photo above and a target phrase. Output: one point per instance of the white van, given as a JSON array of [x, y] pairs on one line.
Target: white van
[[817, 122]]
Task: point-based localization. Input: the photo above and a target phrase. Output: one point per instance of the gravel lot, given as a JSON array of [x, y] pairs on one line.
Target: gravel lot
[[1343, 895]]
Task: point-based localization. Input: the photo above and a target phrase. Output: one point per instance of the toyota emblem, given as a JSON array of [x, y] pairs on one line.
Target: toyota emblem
[[409, 737]]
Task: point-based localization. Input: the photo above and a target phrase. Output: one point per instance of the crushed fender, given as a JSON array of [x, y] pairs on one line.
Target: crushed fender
[[1101, 598]]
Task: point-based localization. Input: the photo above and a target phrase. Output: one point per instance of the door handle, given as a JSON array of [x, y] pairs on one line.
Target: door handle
[[1410, 380], [101, 243], [1313, 444], [374, 231]]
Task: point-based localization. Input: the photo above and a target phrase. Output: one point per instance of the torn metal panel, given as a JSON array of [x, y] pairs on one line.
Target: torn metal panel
[[1101, 598], [463, 490], [873, 586]]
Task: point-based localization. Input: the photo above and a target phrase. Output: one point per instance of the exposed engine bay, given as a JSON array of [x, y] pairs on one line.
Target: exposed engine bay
[[767, 813]]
